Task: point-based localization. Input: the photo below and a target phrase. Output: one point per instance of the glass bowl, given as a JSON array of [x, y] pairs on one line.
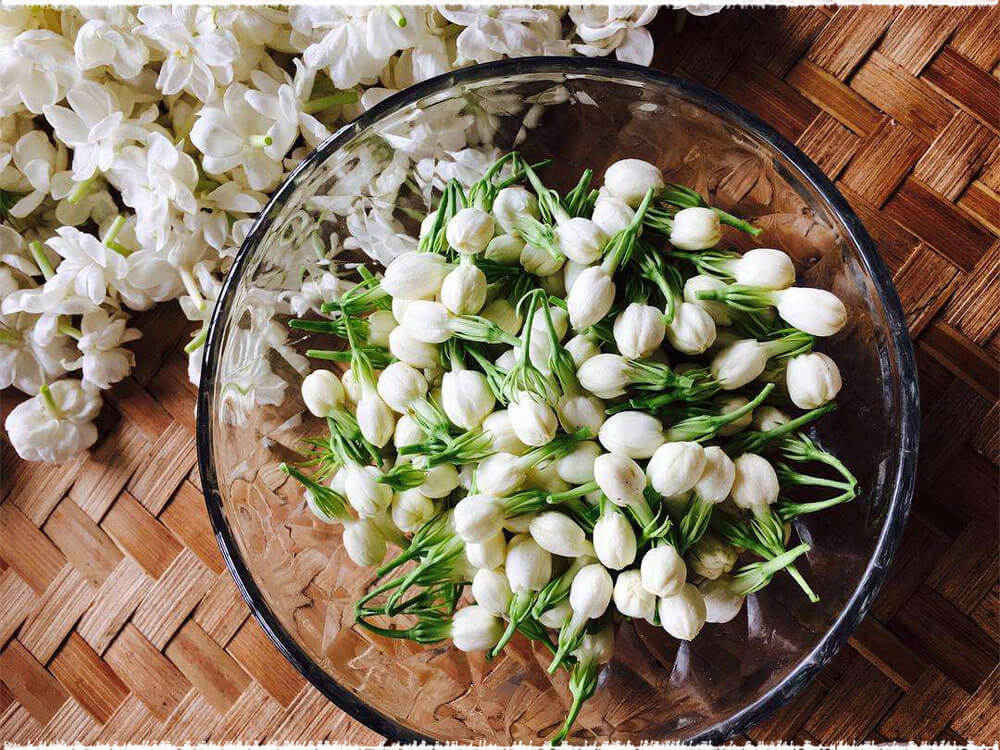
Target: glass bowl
[[580, 113]]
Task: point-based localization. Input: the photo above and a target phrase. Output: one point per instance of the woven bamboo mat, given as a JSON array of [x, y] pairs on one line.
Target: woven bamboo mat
[[119, 622]]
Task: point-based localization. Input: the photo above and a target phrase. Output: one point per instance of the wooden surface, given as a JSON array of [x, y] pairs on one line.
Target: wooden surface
[[119, 622]]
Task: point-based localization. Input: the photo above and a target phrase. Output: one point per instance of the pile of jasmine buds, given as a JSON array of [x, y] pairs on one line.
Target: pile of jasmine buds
[[576, 408]]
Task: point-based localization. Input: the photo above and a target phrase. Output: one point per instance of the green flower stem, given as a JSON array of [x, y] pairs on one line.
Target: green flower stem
[[325, 498], [517, 611], [582, 685], [197, 341], [653, 376], [476, 328], [556, 590], [756, 576], [403, 477], [549, 203], [753, 442], [81, 190], [67, 330], [41, 259], [705, 426], [260, 141], [694, 523], [191, 286], [397, 16], [50, 403], [432, 533], [113, 231], [430, 629], [619, 250], [325, 102]]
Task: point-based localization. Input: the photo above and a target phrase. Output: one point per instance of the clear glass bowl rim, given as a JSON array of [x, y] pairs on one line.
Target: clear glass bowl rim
[[897, 338]]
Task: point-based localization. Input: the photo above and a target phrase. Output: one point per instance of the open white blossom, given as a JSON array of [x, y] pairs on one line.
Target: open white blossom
[[102, 358], [197, 56], [37, 69], [108, 39], [37, 160], [615, 28], [56, 424]]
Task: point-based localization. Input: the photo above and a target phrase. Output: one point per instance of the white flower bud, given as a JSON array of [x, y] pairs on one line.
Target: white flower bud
[[427, 225], [375, 419], [546, 480], [630, 179], [413, 352], [612, 214], [364, 542], [469, 231], [507, 359], [718, 310], [338, 482], [364, 492], [511, 204], [505, 249], [553, 284], [591, 297], [716, 478], [814, 311], [631, 599], [614, 540], [534, 421], [571, 272], [577, 467], [767, 418], [353, 390], [440, 481], [427, 321], [692, 331], [539, 262], [606, 375], [554, 617], [411, 510], [475, 629], [581, 348], [466, 398], [739, 363], [727, 404], [322, 393], [722, 604], [591, 592], [478, 517], [765, 268], [400, 385], [663, 571], [489, 553], [463, 291], [502, 436], [380, 324], [504, 314], [639, 330], [519, 524], [581, 240], [414, 275], [559, 534], [755, 483], [580, 410], [500, 474], [407, 432], [695, 229], [675, 468], [491, 591], [710, 557], [528, 566], [812, 379], [632, 433], [620, 478], [683, 615]]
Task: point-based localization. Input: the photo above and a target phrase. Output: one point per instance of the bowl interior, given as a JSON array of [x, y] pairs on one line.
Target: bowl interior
[[581, 115]]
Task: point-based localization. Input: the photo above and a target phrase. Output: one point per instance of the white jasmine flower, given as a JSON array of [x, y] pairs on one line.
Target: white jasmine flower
[[684, 614], [37, 69], [110, 41], [37, 160], [813, 380], [630, 179], [695, 228], [604, 28], [286, 104], [96, 127], [491, 33], [103, 359], [156, 180], [89, 267], [197, 56], [56, 424], [232, 134], [27, 360]]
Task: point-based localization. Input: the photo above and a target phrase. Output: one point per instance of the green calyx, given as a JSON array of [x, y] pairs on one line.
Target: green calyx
[[706, 426]]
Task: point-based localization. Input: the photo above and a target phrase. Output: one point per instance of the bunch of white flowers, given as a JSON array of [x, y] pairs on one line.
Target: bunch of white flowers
[[574, 479], [138, 143]]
